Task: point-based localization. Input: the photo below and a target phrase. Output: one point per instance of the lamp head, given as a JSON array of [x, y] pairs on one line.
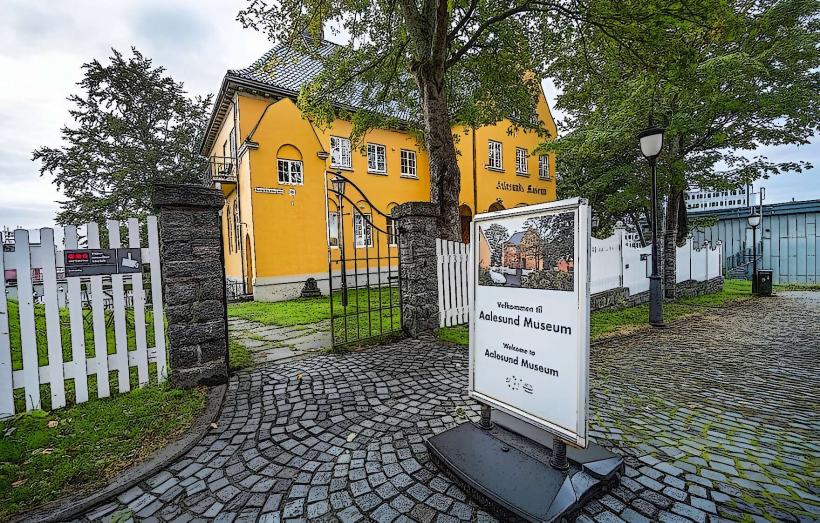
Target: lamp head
[[754, 220], [651, 142], [338, 183]]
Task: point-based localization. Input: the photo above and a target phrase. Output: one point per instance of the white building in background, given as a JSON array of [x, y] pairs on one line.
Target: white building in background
[[705, 200]]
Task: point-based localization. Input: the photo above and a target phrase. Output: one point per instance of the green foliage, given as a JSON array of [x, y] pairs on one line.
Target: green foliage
[[722, 77], [484, 277], [133, 126], [496, 236], [239, 357], [88, 443], [548, 279], [429, 67], [303, 311], [65, 332]]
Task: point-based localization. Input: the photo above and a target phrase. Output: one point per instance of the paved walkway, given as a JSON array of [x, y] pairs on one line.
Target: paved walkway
[[269, 343], [717, 418]]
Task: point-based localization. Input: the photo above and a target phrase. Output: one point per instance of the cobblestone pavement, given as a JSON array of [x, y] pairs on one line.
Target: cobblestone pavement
[[717, 418], [269, 343]]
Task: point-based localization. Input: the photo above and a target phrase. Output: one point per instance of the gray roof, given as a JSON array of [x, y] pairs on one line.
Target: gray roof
[[283, 71], [516, 238], [285, 68]]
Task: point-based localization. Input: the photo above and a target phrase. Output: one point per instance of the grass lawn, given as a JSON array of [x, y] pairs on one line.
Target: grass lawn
[[303, 311], [603, 323], [65, 338], [45, 455], [361, 321], [239, 357], [65, 332]]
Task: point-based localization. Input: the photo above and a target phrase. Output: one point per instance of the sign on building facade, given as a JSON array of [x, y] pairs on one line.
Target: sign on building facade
[[529, 340]]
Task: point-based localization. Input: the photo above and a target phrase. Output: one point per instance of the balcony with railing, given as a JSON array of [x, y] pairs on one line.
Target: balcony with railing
[[221, 169]]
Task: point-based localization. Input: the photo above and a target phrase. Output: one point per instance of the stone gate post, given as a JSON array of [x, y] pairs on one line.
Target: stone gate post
[[193, 276], [418, 230]]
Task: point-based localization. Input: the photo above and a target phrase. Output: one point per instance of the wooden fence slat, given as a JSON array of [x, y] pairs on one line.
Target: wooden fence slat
[[75, 316], [156, 299], [455, 282], [139, 308], [120, 333], [460, 281], [6, 384], [448, 304], [98, 319], [53, 336], [28, 333], [441, 282]]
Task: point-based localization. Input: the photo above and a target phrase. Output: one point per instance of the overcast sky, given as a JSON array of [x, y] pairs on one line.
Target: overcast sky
[[43, 45]]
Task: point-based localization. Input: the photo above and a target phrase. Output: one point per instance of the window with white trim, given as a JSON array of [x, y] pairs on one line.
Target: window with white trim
[[408, 164], [362, 230], [521, 161], [392, 232], [494, 158], [333, 229], [544, 167], [290, 172], [340, 152], [229, 218], [376, 158], [237, 224]]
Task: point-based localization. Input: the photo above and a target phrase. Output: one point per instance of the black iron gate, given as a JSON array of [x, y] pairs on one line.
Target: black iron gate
[[364, 267]]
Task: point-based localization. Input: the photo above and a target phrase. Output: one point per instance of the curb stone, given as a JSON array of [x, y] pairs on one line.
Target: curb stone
[[69, 507]]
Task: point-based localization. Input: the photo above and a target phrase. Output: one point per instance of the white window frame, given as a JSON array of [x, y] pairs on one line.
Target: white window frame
[[293, 176], [409, 163], [376, 158], [544, 167], [495, 152], [362, 238], [392, 232], [340, 152], [521, 157], [330, 237]]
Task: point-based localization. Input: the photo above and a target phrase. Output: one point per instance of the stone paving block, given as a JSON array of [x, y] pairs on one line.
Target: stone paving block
[[689, 511], [282, 436]]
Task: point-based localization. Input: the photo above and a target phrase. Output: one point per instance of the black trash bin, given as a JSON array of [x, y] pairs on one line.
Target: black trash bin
[[763, 284]]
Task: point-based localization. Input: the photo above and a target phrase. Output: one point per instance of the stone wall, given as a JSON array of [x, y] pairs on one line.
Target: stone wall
[[418, 230], [193, 278], [620, 297]]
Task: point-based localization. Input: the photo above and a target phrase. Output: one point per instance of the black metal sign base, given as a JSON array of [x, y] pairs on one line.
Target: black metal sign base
[[510, 475]]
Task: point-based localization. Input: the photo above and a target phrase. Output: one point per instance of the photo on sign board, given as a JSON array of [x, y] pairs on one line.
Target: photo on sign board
[[536, 252]]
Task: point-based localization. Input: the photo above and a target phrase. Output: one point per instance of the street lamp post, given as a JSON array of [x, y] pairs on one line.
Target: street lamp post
[[754, 222], [338, 184], [651, 144]]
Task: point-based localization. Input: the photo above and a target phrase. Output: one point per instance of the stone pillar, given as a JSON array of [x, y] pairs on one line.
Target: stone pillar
[[418, 229], [193, 277]]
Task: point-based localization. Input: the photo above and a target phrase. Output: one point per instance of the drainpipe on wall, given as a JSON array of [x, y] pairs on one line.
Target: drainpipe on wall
[[239, 197], [475, 180]]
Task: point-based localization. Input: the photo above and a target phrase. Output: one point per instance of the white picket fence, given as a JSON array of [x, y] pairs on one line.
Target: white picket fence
[[613, 263], [55, 373]]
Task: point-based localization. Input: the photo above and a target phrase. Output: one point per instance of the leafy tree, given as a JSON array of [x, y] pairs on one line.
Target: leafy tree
[[432, 64], [134, 126], [496, 236], [722, 76], [556, 233]]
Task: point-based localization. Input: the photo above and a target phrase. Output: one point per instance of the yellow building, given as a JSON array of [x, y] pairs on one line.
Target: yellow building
[[272, 162]]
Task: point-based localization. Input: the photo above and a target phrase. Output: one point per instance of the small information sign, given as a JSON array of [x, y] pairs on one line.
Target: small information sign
[[529, 338], [97, 262]]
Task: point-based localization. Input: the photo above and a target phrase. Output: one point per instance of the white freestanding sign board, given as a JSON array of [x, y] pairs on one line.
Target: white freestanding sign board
[[529, 334]]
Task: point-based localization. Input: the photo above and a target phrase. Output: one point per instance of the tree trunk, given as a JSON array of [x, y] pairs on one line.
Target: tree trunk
[[445, 177], [670, 242]]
